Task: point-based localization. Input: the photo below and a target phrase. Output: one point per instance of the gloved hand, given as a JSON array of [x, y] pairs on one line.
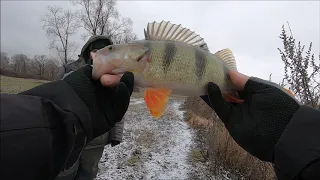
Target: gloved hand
[[114, 143], [106, 105], [257, 124]]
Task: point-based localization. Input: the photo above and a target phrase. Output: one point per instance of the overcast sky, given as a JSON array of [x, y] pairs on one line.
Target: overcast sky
[[249, 28]]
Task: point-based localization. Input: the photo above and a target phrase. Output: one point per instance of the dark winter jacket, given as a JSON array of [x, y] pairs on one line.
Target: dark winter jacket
[[38, 131], [117, 132], [35, 142]]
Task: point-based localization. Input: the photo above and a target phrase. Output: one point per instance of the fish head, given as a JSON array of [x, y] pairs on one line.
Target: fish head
[[120, 58]]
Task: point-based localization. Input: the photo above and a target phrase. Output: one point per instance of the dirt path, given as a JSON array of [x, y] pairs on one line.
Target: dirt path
[[154, 149]]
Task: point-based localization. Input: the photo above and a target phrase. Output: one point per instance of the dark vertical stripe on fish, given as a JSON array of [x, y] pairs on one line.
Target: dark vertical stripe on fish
[[226, 73], [170, 51], [200, 62]]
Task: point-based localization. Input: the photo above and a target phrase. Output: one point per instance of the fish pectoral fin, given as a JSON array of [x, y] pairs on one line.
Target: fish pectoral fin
[[232, 97], [156, 100]]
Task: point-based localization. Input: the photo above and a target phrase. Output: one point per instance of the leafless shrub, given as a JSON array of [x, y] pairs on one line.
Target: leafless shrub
[[302, 71], [20, 65]]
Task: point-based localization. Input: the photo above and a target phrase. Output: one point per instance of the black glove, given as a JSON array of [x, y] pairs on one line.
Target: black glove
[[106, 105], [257, 124], [114, 143]]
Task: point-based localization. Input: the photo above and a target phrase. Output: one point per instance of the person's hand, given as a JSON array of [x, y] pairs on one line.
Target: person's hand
[[107, 105], [108, 80], [257, 124]]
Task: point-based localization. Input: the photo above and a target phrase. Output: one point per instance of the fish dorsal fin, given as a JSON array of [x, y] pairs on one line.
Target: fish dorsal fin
[[166, 31], [227, 56]]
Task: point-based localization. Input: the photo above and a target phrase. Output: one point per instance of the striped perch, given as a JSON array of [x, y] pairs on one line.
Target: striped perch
[[170, 61]]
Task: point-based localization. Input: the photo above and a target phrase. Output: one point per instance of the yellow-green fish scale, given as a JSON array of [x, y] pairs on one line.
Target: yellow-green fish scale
[[215, 72], [181, 68]]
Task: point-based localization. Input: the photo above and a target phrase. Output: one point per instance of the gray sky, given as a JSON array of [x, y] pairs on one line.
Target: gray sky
[[249, 28]]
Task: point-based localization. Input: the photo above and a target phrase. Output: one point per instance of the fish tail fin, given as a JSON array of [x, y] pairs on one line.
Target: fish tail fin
[[228, 58]]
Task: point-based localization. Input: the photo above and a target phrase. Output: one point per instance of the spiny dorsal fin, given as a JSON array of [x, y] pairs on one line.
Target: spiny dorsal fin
[[173, 32], [227, 56]]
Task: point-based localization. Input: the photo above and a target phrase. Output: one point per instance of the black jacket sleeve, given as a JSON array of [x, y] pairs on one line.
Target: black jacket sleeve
[[40, 130], [297, 153]]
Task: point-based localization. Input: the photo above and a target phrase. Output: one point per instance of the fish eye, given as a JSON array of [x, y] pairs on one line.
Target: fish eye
[[110, 48]]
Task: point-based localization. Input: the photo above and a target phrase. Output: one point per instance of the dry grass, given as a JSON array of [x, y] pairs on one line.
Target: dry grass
[[137, 95], [133, 160], [197, 156], [13, 85], [145, 138], [223, 150]]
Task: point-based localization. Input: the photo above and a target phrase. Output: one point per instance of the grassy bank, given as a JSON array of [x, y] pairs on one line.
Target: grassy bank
[[221, 149], [15, 85]]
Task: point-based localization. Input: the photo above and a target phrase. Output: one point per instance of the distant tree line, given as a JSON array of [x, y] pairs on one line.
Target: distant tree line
[[36, 67], [98, 17]]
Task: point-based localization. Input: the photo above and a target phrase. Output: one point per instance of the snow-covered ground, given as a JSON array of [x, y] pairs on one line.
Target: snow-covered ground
[[153, 148]]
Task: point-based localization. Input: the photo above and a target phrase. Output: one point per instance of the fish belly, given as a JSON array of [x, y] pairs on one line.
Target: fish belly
[[178, 89]]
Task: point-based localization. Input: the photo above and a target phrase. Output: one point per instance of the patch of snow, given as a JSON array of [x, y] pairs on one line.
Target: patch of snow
[[136, 101], [151, 148], [176, 108], [171, 153]]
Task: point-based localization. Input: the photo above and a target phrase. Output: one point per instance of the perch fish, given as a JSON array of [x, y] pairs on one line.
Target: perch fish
[[170, 61]]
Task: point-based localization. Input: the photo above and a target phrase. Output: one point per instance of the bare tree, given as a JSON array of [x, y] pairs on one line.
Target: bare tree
[[302, 71], [51, 69], [101, 17], [20, 63], [4, 60], [60, 25], [124, 37], [39, 65]]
